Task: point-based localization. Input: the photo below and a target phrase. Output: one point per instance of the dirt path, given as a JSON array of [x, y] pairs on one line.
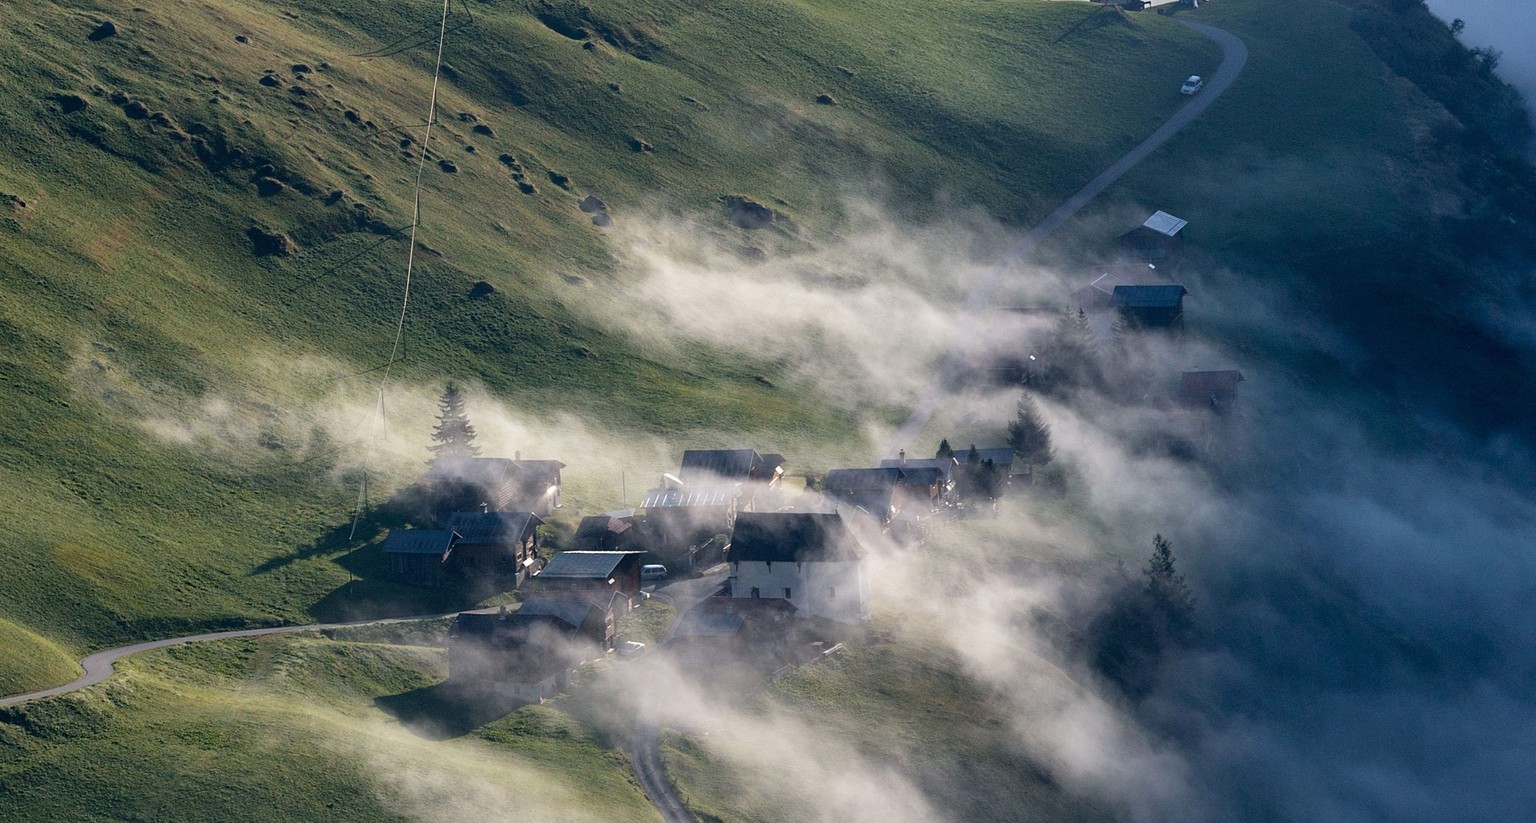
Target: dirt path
[[1234, 54]]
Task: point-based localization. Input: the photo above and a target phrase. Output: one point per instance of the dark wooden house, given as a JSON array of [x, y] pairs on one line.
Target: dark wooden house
[[592, 573], [1151, 307], [502, 545], [712, 467], [419, 557], [1157, 240], [531, 653], [454, 484], [606, 532], [686, 516], [1213, 391], [880, 492]]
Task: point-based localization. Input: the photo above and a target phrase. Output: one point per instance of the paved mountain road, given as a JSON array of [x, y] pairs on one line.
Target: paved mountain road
[[100, 666], [1234, 54]]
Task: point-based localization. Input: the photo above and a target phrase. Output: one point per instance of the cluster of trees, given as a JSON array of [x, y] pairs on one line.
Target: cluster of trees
[[1141, 622], [977, 478]]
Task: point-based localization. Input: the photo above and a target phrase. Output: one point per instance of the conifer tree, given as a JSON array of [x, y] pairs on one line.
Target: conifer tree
[[1030, 436], [944, 451], [453, 435], [1166, 587]]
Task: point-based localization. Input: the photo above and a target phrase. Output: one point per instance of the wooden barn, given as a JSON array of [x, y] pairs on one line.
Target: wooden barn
[[1157, 240], [1151, 307], [686, 516], [531, 653], [454, 484], [419, 557], [592, 573], [615, 531], [501, 545]]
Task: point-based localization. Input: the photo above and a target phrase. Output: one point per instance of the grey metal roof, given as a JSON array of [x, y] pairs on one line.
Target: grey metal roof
[[792, 537], [584, 565], [418, 541], [921, 476], [1149, 297], [1002, 456], [1164, 223], [718, 464], [680, 498], [538, 470], [479, 528]]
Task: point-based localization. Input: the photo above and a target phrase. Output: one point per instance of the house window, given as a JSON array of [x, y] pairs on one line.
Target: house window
[[755, 593], [786, 593]]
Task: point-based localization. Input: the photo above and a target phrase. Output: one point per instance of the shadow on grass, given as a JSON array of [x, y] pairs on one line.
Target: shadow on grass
[[446, 710]]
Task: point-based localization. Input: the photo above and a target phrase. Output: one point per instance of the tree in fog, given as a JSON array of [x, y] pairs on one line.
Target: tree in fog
[[453, 436], [1030, 436]]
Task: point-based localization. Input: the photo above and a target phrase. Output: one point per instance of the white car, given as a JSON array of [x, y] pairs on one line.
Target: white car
[[630, 648], [1192, 85], [653, 572]]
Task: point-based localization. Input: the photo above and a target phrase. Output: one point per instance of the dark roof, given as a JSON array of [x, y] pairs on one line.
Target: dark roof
[[476, 623], [419, 541], [480, 528], [1149, 297], [714, 464], [921, 476], [484, 471], [568, 610], [1203, 386], [542, 469], [594, 527], [847, 481], [692, 496], [792, 537], [593, 565], [944, 466]]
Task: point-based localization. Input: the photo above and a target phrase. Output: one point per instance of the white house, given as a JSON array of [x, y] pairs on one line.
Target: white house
[[810, 560]]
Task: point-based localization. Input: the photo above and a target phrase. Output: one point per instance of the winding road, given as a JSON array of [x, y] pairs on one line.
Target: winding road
[[101, 665], [1234, 55]]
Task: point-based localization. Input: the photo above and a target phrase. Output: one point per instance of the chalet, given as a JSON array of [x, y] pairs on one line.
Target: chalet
[[495, 544], [1098, 295], [711, 466], [812, 561], [871, 490], [528, 654], [692, 514], [1155, 241], [1151, 307], [1213, 391], [615, 531], [419, 557], [592, 573], [468, 483]]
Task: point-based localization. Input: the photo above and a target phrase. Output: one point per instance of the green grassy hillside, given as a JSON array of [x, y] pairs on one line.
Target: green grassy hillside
[[184, 407], [288, 729]]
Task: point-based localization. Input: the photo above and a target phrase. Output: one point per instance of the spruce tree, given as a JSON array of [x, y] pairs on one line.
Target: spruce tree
[[944, 451], [1030, 436], [1166, 588], [453, 436]]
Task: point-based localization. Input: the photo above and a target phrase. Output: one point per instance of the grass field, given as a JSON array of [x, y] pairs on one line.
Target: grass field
[[291, 728]]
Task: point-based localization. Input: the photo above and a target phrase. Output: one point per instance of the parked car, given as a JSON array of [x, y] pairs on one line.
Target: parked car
[[1192, 85], [653, 572], [630, 648]]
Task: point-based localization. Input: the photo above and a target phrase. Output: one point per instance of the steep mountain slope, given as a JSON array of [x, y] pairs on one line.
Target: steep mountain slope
[[202, 240]]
